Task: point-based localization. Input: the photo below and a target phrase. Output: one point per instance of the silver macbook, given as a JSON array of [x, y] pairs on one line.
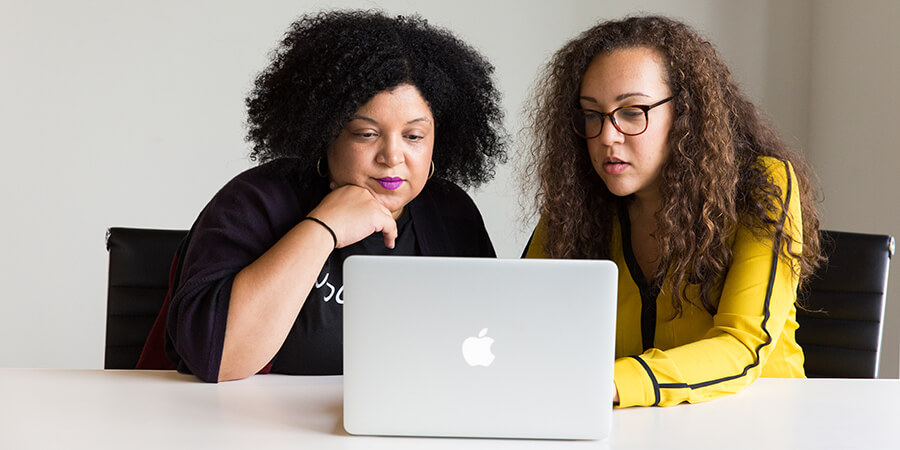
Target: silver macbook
[[478, 347]]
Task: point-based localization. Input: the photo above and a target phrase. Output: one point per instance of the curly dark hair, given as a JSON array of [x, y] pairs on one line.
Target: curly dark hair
[[712, 181], [331, 63]]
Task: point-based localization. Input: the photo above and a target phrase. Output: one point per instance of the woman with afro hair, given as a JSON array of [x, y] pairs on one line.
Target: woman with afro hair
[[646, 153], [366, 127]]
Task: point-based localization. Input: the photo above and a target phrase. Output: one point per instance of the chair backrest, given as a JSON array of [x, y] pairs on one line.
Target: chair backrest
[[840, 331], [139, 262]]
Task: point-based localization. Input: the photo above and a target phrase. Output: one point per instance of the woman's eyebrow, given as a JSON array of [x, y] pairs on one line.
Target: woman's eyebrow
[[631, 94], [619, 98], [375, 122], [365, 118]]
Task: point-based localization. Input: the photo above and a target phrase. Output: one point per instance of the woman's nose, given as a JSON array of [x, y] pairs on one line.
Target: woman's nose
[[391, 151], [609, 134]]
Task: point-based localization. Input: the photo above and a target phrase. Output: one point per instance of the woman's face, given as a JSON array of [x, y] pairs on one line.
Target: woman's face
[[386, 147], [633, 76]]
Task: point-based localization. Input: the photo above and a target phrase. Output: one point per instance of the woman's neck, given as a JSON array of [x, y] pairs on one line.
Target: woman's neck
[[642, 212], [644, 206]]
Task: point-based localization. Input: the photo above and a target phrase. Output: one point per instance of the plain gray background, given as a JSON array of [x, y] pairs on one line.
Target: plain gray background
[[131, 114]]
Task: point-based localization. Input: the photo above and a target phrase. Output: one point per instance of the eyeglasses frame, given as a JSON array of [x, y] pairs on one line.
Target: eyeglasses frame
[[612, 119]]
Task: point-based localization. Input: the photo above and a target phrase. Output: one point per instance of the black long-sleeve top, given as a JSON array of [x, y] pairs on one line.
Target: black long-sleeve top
[[246, 218]]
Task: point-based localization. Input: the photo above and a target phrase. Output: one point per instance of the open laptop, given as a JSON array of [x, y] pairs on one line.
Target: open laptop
[[478, 347]]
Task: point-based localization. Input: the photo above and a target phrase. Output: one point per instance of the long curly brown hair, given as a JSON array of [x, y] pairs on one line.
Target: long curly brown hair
[[712, 182]]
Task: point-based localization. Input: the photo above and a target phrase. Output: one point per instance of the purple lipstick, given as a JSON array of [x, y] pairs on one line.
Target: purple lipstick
[[390, 183]]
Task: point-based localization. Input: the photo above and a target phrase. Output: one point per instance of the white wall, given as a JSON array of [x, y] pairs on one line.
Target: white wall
[[854, 134], [131, 114]]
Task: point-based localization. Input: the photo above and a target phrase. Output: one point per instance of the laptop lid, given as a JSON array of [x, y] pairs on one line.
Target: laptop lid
[[479, 347]]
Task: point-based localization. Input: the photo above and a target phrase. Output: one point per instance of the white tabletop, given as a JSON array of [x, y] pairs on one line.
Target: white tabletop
[[43, 408]]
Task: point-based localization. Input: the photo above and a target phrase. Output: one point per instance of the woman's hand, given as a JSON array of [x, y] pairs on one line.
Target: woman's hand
[[353, 213]]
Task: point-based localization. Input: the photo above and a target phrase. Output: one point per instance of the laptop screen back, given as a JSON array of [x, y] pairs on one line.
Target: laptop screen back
[[477, 347]]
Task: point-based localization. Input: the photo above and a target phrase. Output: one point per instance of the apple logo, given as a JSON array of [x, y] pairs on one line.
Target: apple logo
[[477, 350]]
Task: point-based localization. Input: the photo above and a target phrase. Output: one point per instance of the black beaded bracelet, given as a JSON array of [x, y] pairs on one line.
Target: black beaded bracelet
[[333, 236]]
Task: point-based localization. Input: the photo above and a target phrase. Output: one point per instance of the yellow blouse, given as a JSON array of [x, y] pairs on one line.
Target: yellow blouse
[[698, 356]]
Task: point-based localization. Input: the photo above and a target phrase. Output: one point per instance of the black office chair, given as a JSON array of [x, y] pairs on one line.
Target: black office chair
[[139, 262], [840, 331]]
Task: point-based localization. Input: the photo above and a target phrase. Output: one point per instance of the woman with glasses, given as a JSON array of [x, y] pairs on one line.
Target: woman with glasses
[[365, 126], [645, 152]]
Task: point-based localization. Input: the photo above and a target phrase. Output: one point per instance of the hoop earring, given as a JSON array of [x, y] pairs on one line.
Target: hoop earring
[[319, 168], [431, 172]]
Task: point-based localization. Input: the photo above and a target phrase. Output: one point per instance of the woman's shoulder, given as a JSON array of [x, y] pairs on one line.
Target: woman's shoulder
[[276, 182], [271, 174], [267, 193], [779, 171], [777, 198]]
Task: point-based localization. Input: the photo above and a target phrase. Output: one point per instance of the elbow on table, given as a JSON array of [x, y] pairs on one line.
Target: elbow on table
[[231, 369], [233, 375], [209, 373]]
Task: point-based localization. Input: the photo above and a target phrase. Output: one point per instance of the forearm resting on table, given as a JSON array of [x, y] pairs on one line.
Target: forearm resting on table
[[267, 296]]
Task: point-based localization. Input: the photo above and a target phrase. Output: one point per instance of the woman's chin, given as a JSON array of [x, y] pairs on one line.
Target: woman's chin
[[619, 190], [395, 201], [395, 205]]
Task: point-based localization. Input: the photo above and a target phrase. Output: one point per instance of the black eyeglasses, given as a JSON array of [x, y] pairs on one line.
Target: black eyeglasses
[[630, 120]]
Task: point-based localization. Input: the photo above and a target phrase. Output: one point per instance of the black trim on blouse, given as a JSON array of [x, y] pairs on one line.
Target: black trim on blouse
[[649, 291], [766, 308]]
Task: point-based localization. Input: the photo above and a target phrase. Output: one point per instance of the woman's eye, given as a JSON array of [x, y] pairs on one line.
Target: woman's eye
[[414, 137], [365, 134], [631, 112], [591, 116]]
